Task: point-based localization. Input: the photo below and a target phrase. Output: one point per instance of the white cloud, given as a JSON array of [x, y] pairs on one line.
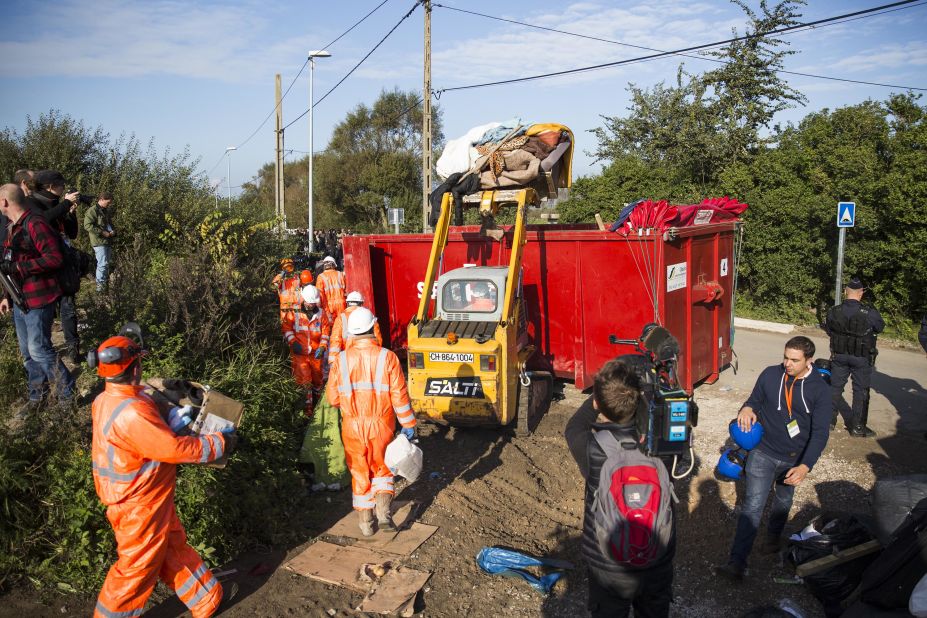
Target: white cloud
[[889, 56], [127, 38], [504, 51]]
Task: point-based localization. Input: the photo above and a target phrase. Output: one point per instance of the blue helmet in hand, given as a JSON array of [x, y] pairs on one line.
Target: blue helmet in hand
[[823, 366], [731, 464], [746, 440]]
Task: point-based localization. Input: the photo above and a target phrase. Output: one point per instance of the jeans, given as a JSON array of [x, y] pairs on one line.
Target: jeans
[[103, 254], [761, 472], [33, 331]]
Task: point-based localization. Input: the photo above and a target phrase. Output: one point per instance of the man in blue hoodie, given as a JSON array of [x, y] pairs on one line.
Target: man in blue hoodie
[[793, 403]]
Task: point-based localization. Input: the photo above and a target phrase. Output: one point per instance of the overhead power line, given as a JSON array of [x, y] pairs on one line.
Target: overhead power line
[[300, 72], [355, 67], [695, 56], [682, 51]]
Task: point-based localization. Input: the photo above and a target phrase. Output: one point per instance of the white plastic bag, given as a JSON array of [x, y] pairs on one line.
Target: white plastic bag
[[404, 458]]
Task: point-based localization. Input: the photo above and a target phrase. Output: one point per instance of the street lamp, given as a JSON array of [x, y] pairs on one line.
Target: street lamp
[[228, 154], [319, 53]]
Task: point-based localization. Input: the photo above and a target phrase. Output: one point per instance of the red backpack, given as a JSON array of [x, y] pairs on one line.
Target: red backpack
[[632, 508]]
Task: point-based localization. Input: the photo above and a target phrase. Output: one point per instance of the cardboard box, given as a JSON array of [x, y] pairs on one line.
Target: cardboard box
[[216, 411]]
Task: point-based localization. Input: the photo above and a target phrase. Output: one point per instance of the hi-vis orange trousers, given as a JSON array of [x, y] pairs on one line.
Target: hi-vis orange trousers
[[152, 545]]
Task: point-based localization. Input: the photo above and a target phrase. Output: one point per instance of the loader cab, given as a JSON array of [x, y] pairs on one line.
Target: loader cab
[[471, 293]]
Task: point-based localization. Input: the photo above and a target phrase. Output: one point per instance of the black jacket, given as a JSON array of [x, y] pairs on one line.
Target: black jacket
[[56, 211], [590, 457]]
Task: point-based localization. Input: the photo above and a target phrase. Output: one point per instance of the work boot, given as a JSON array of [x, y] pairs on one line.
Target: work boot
[[861, 431], [365, 521], [384, 517], [731, 571]]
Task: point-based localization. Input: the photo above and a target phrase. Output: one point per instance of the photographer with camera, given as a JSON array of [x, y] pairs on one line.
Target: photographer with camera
[[31, 256], [629, 534], [793, 404], [60, 210], [99, 225]]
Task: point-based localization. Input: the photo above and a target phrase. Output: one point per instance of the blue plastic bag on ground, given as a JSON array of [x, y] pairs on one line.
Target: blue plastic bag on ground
[[510, 563]]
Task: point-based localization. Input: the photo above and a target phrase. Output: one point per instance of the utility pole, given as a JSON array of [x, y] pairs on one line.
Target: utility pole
[[426, 119], [278, 132]]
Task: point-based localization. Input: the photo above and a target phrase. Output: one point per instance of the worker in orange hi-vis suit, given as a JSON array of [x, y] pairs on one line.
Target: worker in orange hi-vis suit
[[287, 285], [135, 455], [331, 285], [367, 384], [308, 334], [340, 335]]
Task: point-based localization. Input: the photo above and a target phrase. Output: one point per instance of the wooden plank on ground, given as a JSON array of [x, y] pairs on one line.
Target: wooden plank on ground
[[336, 564], [846, 555], [408, 539], [395, 591]]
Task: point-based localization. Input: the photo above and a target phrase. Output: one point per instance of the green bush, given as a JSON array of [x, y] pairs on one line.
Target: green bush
[[197, 281]]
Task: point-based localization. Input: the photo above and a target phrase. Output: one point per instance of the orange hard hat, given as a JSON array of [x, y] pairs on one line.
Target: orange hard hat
[[287, 264], [305, 277], [115, 355]]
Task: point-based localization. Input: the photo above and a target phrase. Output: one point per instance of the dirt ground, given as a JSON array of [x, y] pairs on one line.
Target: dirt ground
[[484, 487]]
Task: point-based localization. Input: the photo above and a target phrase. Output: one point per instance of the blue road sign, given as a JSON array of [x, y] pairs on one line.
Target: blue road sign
[[846, 214]]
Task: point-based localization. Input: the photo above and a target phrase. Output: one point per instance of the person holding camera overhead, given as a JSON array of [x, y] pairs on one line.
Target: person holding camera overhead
[[31, 256], [60, 210], [99, 225]]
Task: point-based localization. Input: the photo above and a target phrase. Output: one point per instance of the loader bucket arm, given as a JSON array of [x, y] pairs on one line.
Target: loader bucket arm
[[518, 242], [437, 249]]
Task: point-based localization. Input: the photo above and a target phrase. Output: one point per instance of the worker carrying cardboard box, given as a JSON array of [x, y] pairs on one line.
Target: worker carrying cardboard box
[[135, 455]]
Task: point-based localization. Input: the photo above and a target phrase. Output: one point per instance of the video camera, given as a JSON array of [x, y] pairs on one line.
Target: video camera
[[670, 413]]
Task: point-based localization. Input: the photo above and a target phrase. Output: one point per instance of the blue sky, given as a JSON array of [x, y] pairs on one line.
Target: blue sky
[[200, 75]]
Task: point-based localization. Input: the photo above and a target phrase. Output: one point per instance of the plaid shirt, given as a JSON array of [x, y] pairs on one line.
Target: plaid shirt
[[36, 259]]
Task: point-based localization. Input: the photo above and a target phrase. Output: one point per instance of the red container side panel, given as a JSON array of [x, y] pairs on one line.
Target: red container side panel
[[580, 285]]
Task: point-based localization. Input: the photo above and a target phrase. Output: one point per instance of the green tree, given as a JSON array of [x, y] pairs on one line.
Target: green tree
[[374, 153], [677, 141]]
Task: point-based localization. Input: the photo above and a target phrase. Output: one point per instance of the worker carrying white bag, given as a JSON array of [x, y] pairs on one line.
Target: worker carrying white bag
[[403, 458]]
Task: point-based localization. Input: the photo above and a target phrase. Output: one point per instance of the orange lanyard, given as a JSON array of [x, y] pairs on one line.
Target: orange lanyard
[[788, 394]]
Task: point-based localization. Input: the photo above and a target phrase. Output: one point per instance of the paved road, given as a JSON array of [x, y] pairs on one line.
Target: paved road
[[899, 385]]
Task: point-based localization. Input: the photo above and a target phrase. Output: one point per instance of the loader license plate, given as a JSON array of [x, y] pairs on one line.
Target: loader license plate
[[454, 387], [449, 357]]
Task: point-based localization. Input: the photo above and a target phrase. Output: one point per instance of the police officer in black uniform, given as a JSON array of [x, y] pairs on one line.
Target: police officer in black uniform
[[852, 327]]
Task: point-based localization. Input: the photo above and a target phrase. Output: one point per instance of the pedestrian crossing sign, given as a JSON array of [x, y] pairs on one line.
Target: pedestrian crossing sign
[[846, 214]]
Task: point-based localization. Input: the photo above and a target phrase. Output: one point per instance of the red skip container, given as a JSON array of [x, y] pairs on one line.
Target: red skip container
[[580, 285]]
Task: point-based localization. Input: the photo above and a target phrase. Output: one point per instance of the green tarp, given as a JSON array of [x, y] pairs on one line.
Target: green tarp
[[322, 445]]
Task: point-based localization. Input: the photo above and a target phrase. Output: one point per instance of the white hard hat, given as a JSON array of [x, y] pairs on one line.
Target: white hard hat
[[329, 258], [355, 297], [360, 321], [311, 295]]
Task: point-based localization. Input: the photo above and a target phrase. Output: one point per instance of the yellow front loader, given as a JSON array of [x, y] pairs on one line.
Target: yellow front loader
[[467, 359]]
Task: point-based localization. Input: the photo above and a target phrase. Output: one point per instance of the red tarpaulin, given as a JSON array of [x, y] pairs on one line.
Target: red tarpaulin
[[662, 215]]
